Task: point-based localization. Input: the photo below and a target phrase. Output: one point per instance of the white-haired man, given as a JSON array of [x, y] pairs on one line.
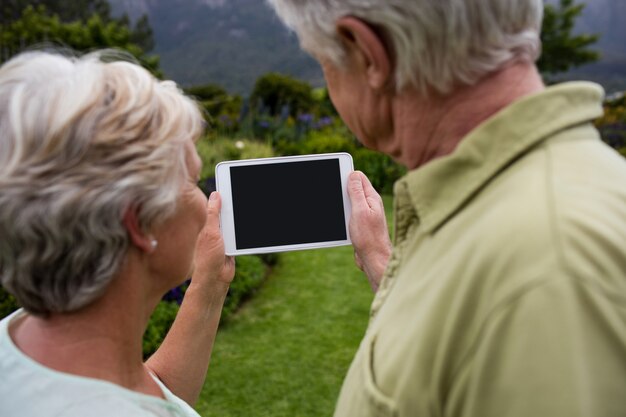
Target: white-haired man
[[505, 289]]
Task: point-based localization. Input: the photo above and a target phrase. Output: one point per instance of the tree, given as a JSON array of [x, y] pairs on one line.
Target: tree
[[39, 26], [215, 100], [142, 34], [66, 10], [276, 91], [561, 49]]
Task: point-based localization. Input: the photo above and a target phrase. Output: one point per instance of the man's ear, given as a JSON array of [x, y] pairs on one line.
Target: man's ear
[[138, 237], [360, 38]]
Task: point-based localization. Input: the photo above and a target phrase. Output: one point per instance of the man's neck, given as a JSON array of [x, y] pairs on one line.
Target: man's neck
[[426, 129]]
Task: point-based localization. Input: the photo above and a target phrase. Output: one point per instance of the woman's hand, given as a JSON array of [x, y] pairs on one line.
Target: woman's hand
[[212, 266], [183, 358], [368, 229]]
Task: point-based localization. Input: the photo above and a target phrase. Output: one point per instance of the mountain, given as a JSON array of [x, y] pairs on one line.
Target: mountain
[[228, 42], [233, 42]]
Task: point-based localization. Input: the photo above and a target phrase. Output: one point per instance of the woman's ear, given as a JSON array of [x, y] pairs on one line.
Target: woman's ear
[[142, 241], [361, 39]]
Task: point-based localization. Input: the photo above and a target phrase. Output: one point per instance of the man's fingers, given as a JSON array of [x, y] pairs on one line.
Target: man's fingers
[[362, 193], [355, 187], [367, 186]]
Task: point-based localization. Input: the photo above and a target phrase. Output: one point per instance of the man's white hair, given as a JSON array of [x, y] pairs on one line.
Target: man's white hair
[[436, 44], [81, 142]]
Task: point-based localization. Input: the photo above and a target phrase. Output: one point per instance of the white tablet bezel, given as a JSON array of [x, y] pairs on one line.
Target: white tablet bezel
[[223, 186]]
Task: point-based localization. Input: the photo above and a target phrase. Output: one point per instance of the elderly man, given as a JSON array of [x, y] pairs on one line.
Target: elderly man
[[505, 291]]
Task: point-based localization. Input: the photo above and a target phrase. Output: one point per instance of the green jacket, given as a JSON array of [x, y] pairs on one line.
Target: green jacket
[[506, 292]]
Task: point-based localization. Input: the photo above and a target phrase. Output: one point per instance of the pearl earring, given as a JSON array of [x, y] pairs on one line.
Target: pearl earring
[[154, 244]]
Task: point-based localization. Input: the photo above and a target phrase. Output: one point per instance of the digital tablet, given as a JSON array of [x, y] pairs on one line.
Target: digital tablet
[[283, 204]]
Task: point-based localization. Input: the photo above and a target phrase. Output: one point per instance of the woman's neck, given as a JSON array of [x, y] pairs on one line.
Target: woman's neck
[[101, 341]]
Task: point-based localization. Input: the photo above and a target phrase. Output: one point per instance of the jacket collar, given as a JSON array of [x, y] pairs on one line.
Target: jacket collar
[[436, 191]]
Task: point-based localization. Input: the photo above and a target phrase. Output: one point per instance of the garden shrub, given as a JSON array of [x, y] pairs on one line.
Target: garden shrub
[[8, 303], [275, 91], [612, 125], [158, 326], [216, 102], [323, 104], [249, 275], [286, 147], [328, 141], [269, 259], [215, 150], [381, 170]]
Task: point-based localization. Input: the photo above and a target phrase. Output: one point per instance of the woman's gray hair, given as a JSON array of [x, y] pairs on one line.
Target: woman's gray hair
[[436, 44], [81, 142]]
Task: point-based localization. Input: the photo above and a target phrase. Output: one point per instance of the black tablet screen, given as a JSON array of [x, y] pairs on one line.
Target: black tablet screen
[[287, 203]]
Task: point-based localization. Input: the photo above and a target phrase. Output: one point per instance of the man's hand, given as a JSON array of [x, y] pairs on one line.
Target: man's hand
[[368, 229]]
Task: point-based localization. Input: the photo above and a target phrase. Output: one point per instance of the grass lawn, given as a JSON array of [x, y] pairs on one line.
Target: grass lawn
[[285, 353]]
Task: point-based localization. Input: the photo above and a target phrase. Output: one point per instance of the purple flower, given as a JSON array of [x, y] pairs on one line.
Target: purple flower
[[327, 120], [322, 123], [305, 118], [176, 294], [225, 120]]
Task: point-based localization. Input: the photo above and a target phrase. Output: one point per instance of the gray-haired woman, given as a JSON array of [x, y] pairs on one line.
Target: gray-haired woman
[[99, 216]]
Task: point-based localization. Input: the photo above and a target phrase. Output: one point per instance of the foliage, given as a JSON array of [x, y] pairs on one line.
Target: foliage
[[612, 125], [249, 275], [37, 26], [158, 326], [282, 95], [66, 10], [221, 109], [206, 92], [381, 170], [327, 141], [80, 10], [270, 259], [323, 104], [277, 130], [215, 150], [142, 34], [561, 49], [8, 304]]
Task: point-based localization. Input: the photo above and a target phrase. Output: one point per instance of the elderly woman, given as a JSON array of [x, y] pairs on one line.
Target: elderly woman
[[99, 216], [505, 290]]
